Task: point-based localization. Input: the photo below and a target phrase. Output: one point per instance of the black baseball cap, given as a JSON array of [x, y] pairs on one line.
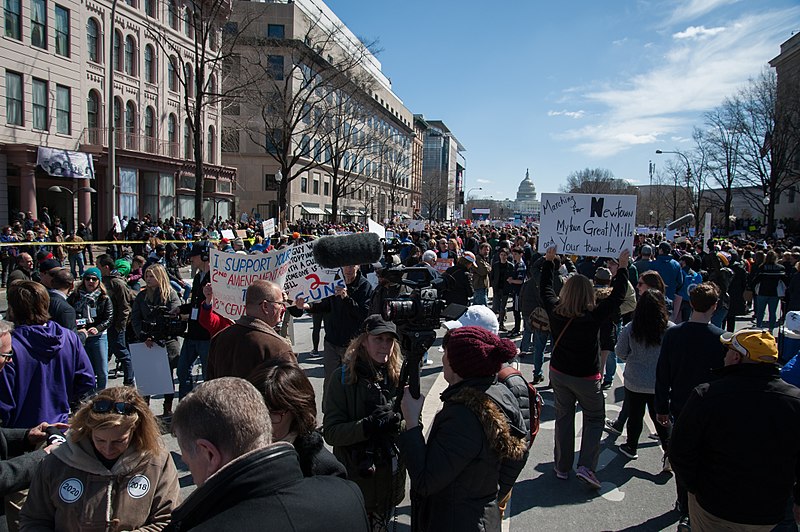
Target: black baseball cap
[[49, 264], [199, 248], [375, 325]]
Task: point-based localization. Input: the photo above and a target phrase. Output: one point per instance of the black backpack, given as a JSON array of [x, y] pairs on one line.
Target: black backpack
[[535, 401]]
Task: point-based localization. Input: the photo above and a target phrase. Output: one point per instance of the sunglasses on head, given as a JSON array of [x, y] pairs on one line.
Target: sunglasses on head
[[104, 406]]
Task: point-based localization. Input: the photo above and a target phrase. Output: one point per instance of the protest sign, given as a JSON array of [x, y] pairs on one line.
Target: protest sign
[[599, 225], [151, 367], [416, 226], [306, 278], [243, 217], [375, 227], [441, 265], [268, 227], [228, 233], [232, 274], [241, 233]]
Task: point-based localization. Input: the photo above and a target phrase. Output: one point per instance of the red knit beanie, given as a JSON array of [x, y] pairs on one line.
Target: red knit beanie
[[476, 352]]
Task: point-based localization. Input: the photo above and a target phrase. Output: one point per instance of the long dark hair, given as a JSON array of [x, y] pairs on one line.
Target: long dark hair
[[285, 387], [650, 318]]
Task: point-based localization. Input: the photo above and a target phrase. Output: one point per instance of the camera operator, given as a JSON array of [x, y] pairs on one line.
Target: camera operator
[[152, 310], [359, 420]]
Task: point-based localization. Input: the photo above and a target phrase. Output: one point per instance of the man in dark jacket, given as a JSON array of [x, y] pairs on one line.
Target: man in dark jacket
[[60, 282], [246, 482], [708, 443], [197, 340], [459, 280], [121, 299], [23, 269], [346, 310]]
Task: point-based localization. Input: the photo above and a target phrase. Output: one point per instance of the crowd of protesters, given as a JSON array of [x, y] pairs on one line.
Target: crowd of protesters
[[661, 307]]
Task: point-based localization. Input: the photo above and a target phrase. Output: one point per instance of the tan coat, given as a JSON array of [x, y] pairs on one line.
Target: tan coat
[[73, 490], [240, 348]]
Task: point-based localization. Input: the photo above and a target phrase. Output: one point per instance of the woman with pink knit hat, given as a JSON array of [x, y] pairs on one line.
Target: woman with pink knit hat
[[476, 443]]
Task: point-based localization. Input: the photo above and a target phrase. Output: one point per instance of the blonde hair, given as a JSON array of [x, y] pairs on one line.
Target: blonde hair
[[145, 433], [577, 297], [160, 273], [357, 350]]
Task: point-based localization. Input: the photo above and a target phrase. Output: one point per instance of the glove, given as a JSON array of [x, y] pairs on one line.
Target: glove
[[379, 420]]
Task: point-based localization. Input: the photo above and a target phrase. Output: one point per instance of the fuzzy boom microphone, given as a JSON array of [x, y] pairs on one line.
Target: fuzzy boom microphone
[[683, 220], [347, 250]]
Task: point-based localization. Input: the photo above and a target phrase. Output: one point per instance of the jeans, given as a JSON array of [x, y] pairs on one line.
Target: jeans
[[636, 403], [567, 391], [97, 350], [611, 367], [189, 352], [527, 337], [480, 297], [499, 304], [719, 316], [762, 304], [118, 346], [539, 343], [183, 292], [316, 328], [76, 265]]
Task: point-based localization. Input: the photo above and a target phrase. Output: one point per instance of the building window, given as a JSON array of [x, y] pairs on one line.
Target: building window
[[93, 40], [130, 56], [63, 110], [172, 135], [315, 185], [792, 192], [128, 205], [269, 182], [117, 59], [172, 74], [212, 86], [187, 21], [150, 130], [14, 102], [39, 101], [174, 15], [150, 75], [150, 8], [187, 76], [304, 184], [273, 140], [130, 125], [275, 31], [275, 65], [211, 148], [62, 31], [93, 116], [118, 118], [187, 140], [326, 188], [13, 9], [230, 140], [39, 23]]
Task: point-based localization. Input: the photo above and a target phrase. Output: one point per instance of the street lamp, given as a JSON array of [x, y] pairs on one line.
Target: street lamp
[[470, 191], [278, 179], [57, 188], [111, 171], [688, 180]]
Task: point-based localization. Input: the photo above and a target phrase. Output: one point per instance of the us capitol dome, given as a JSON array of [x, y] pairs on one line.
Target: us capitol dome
[[526, 202]]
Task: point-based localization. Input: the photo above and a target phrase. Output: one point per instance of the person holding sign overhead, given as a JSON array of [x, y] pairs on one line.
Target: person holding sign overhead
[[575, 372]]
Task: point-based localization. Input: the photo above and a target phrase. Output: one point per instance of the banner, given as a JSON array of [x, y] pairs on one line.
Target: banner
[[233, 273], [305, 278], [64, 163], [597, 225]]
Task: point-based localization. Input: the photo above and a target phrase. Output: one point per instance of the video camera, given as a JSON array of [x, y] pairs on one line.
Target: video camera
[[162, 325]]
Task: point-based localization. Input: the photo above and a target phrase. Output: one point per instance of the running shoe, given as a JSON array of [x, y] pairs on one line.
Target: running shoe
[[666, 467], [611, 427], [684, 525], [562, 475], [587, 475], [628, 451]]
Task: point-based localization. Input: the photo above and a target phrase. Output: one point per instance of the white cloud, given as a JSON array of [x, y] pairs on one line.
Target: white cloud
[[620, 42], [690, 78], [483, 181], [679, 139], [570, 114], [697, 32], [692, 9]]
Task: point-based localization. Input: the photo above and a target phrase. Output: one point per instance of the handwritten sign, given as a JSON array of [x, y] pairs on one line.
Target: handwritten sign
[[269, 227], [441, 265], [232, 274], [227, 233], [598, 225], [305, 278], [416, 226]]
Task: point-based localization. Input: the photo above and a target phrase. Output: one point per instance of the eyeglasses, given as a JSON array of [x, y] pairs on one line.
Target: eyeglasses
[[283, 303], [276, 416], [104, 406], [93, 279], [5, 357]]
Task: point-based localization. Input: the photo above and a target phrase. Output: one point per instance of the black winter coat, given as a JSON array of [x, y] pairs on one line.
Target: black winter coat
[[16, 465], [457, 473], [266, 488], [459, 285], [98, 313], [713, 453], [736, 289], [500, 272], [62, 312], [315, 459]]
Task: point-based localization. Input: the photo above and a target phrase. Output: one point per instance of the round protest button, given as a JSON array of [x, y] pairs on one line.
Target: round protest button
[[138, 486], [70, 490]]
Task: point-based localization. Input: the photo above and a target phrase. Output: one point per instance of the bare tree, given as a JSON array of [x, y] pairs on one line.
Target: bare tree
[[770, 129], [435, 192], [724, 138], [596, 181], [395, 165], [293, 95], [199, 76]]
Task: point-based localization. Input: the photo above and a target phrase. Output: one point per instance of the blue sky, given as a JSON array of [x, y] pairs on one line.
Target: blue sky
[[561, 86]]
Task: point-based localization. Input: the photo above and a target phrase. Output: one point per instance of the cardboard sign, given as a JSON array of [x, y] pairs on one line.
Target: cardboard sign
[[375, 227], [441, 265], [228, 233], [269, 227], [597, 225], [241, 233], [233, 273], [307, 279], [151, 367]]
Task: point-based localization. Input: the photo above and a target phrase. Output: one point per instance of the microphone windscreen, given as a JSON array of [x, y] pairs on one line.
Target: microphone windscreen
[[347, 250], [683, 220]]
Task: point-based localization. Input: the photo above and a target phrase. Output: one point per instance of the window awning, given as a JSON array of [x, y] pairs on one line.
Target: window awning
[[313, 210], [328, 211]]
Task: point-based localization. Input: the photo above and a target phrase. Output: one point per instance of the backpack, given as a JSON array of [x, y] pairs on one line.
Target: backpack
[[535, 401]]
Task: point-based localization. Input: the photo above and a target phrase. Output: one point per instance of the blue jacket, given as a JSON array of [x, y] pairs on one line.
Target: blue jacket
[[50, 370], [670, 271]]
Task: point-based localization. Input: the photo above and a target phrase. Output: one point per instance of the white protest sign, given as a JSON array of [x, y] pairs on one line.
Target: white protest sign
[[670, 234], [706, 228], [416, 226], [151, 367], [441, 265], [117, 224], [232, 274], [375, 227], [243, 218], [599, 225], [228, 233], [306, 278], [269, 227]]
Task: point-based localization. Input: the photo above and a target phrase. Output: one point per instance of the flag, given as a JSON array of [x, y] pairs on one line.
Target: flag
[[767, 144]]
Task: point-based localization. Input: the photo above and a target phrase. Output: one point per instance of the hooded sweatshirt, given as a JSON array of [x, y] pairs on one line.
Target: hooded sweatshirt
[[73, 490], [50, 370]]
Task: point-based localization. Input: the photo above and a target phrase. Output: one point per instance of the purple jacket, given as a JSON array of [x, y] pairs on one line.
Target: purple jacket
[[49, 371]]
